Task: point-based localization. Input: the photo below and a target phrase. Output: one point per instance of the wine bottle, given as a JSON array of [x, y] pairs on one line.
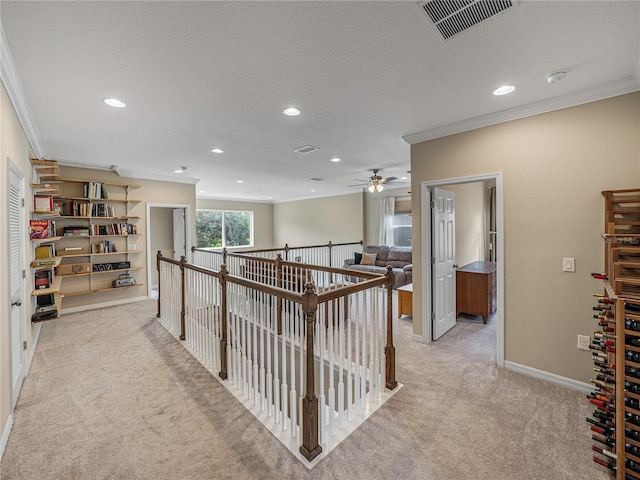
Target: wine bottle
[[632, 418], [631, 433], [632, 306], [603, 451], [604, 463], [605, 300], [632, 465], [632, 340], [632, 403], [632, 449], [608, 441], [632, 372], [631, 324], [632, 387], [630, 354]]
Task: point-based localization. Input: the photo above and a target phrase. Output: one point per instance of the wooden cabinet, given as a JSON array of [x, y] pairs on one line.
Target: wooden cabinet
[[476, 289], [405, 300]]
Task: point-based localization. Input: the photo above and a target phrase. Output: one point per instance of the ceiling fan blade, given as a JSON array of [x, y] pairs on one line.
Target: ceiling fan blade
[[358, 184], [388, 179]]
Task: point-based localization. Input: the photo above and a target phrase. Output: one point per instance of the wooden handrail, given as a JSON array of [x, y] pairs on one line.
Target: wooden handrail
[[309, 301]]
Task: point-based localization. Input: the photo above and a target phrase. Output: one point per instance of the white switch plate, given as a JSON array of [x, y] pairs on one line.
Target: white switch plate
[[583, 342], [568, 264]]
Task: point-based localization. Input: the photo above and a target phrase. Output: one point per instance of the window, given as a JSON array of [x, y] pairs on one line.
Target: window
[[236, 225], [402, 229]]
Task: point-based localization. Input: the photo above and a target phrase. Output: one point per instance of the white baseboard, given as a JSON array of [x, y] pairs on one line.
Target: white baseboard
[[549, 377], [32, 352], [95, 306], [5, 435]]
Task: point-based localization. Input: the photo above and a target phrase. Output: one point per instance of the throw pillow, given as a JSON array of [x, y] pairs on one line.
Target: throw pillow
[[368, 259], [358, 257]]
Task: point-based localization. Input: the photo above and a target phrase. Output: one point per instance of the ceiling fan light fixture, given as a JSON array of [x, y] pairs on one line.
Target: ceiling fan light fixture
[[375, 188], [217, 150]]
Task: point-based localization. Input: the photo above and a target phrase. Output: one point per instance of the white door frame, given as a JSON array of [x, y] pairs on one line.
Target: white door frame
[[151, 256], [425, 246]]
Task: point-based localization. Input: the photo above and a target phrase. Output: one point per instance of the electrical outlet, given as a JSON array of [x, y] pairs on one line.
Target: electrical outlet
[[583, 342]]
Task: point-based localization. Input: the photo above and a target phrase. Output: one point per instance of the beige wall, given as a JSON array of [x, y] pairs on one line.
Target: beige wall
[[554, 167], [262, 218], [13, 145], [320, 220], [161, 234], [372, 212]]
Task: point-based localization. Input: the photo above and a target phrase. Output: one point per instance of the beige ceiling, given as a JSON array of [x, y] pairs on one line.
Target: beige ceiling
[[197, 75]]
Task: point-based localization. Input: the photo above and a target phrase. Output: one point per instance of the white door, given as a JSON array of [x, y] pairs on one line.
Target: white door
[[179, 234], [443, 257], [16, 286]]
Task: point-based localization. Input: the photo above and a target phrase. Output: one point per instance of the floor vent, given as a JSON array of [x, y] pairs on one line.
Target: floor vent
[[306, 149], [452, 17]]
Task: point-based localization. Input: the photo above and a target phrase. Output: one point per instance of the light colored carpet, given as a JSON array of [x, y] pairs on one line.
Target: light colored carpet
[[111, 395]]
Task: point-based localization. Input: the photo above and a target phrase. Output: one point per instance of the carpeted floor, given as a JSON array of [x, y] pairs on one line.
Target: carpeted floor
[[111, 395]]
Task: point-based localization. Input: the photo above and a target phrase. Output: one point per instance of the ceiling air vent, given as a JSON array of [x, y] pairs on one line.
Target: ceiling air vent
[[452, 17], [306, 149]]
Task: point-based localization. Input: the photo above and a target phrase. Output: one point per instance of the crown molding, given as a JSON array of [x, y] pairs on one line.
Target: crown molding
[[601, 92], [151, 176], [13, 85]]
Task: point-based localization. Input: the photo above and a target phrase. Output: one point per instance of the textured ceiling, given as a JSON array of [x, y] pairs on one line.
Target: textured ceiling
[[365, 74]]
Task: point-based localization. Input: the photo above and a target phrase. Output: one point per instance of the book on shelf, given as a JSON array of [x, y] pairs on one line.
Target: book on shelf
[[42, 203], [40, 229], [44, 302], [45, 251], [43, 278], [95, 190]]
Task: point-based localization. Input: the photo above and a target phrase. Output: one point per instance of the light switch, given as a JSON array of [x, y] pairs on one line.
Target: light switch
[[568, 264]]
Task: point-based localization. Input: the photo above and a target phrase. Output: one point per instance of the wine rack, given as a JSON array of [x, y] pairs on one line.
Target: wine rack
[[603, 423]]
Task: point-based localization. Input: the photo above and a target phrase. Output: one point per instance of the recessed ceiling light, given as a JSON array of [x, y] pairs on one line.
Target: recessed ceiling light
[[202, 191], [335, 159], [291, 111], [313, 190], [114, 102], [504, 90], [403, 178], [269, 198], [555, 77], [217, 150], [181, 170], [239, 181]]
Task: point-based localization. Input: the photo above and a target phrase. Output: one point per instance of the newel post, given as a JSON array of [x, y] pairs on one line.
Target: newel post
[[223, 317], [224, 256], [310, 447], [389, 349], [183, 260], [279, 285], [158, 256]]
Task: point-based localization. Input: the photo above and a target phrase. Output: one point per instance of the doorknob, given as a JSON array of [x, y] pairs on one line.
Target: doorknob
[[17, 303]]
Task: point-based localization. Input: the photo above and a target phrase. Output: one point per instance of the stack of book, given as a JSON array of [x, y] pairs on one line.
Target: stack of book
[[76, 231], [40, 229]]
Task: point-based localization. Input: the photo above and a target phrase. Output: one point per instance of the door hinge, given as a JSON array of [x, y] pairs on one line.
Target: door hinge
[[24, 274], [24, 345], [433, 315], [433, 204], [22, 202], [433, 260]]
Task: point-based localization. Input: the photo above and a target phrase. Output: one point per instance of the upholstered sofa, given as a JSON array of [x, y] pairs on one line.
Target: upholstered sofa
[[398, 257]]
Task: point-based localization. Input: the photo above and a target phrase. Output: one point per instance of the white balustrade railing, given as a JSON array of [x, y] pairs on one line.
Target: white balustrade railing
[[253, 330]]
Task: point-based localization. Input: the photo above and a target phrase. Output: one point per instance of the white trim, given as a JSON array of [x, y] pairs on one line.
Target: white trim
[[13, 85], [187, 225], [95, 306], [5, 435], [425, 246], [151, 176], [549, 377], [612, 89], [32, 352]]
